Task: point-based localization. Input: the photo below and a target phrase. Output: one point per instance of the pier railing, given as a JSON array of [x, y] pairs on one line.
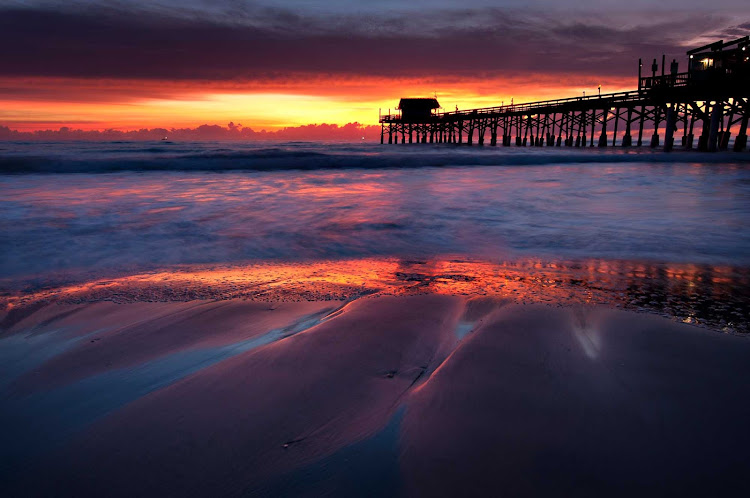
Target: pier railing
[[665, 81], [592, 101], [528, 107]]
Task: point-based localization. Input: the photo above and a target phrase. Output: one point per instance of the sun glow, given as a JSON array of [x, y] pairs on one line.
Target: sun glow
[[49, 103]]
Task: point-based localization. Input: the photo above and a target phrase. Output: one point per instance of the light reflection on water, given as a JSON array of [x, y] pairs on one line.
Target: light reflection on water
[[119, 223], [668, 237], [702, 294]]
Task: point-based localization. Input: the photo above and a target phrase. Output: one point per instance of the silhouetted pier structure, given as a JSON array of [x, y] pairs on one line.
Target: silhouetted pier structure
[[709, 101]]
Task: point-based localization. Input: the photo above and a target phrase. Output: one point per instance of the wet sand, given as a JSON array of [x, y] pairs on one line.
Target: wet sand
[[411, 395]]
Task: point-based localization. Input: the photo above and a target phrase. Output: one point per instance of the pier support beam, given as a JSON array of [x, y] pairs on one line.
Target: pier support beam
[[703, 138], [684, 123], [655, 136], [741, 141], [689, 137], [518, 131], [713, 133], [671, 126], [627, 139], [551, 131], [640, 126], [724, 141], [614, 133], [603, 135], [581, 127]]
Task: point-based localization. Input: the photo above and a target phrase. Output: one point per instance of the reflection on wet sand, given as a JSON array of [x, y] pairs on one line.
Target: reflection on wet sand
[[707, 295]]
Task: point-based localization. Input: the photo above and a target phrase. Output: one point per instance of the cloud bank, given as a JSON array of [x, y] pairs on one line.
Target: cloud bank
[[116, 41], [319, 132]]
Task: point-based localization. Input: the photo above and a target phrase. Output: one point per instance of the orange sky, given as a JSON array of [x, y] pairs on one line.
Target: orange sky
[[49, 103]]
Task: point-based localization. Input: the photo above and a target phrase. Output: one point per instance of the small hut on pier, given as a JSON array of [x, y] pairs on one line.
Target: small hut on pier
[[417, 109]]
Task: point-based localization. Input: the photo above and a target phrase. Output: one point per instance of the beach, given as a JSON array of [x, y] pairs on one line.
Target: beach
[[426, 395], [546, 325]]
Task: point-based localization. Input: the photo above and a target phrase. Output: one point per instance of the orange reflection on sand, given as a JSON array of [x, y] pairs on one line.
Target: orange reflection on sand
[[702, 293]]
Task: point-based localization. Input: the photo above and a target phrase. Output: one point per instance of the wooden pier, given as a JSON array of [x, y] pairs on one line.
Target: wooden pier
[[702, 107]]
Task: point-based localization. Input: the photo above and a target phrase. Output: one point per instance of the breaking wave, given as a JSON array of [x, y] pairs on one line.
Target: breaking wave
[[107, 157]]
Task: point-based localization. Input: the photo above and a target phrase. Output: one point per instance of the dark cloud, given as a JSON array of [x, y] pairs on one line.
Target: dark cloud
[[271, 42], [733, 32]]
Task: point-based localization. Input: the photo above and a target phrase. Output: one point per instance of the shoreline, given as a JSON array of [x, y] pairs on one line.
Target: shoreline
[[704, 295]]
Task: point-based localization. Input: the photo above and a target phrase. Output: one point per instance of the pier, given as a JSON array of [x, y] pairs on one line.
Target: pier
[[700, 109]]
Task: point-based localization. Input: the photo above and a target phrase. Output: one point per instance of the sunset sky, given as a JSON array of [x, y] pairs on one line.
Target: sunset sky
[[180, 63]]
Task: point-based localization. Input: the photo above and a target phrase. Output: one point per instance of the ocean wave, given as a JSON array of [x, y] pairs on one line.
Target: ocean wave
[[112, 157]]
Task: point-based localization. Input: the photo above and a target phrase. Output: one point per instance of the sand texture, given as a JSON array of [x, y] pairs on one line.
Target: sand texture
[[425, 395]]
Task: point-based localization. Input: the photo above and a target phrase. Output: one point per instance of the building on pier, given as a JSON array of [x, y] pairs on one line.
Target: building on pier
[[720, 61], [708, 102], [417, 109]]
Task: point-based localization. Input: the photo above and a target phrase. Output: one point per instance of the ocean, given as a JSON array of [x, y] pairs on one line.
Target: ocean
[[77, 212]]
